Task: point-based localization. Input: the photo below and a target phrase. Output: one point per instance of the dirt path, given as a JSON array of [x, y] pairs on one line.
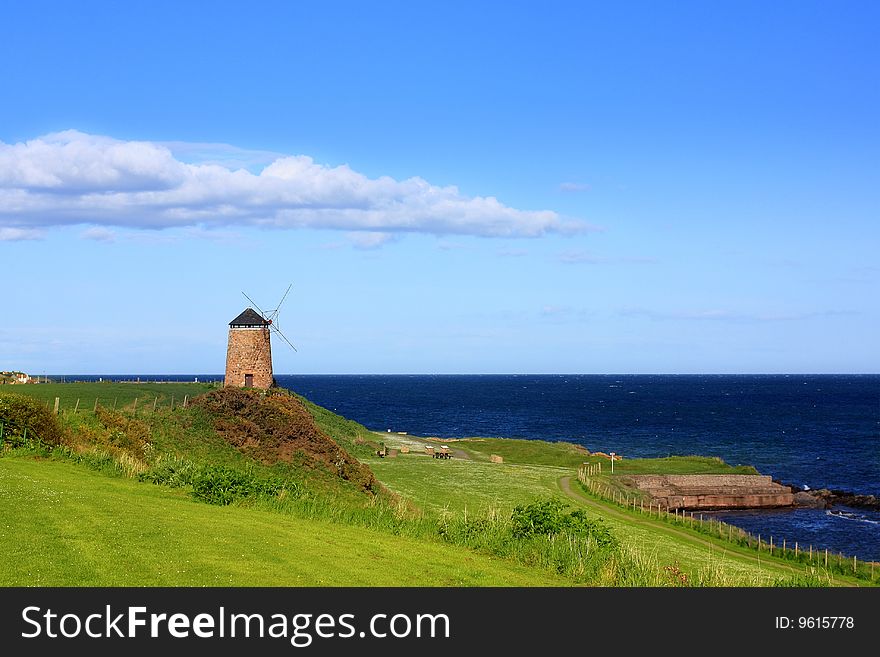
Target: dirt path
[[565, 485]]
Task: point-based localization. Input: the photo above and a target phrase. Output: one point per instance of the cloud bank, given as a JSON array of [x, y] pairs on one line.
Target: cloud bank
[[71, 177]]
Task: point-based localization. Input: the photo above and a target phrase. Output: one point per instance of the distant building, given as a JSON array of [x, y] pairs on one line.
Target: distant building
[[249, 352], [14, 377]]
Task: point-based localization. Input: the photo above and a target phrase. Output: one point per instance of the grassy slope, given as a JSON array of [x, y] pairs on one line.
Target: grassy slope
[[153, 536], [531, 469], [186, 433], [695, 553], [474, 485]]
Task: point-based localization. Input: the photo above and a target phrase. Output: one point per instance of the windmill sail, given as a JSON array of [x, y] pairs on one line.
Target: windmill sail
[[270, 317]]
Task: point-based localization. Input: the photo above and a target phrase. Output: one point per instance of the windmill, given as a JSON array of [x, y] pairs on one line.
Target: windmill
[[249, 351]]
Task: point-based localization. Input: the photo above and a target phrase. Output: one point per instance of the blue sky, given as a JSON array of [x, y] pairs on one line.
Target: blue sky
[[544, 187]]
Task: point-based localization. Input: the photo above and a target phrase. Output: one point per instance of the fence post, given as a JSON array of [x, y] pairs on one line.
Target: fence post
[[154, 403], [172, 402], [185, 397], [95, 409], [114, 402], [57, 403], [76, 408], [135, 406]]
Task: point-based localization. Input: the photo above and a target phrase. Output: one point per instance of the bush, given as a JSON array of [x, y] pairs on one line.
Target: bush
[[19, 412], [218, 484], [549, 518], [541, 535], [171, 471], [123, 432]]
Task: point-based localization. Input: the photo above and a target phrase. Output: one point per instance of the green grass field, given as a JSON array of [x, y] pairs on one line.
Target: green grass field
[[64, 525], [532, 452], [457, 485], [111, 395], [71, 525]]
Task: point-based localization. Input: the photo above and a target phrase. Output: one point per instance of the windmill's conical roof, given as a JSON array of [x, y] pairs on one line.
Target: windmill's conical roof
[[249, 317]]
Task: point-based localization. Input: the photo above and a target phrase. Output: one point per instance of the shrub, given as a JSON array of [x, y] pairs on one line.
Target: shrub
[[549, 518], [218, 484], [542, 535], [123, 432], [170, 471], [19, 412]]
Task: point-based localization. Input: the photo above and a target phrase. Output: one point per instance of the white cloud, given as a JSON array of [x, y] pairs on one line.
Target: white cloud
[[450, 245], [226, 155], [17, 234], [369, 239], [573, 187], [75, 178], [99, 234]]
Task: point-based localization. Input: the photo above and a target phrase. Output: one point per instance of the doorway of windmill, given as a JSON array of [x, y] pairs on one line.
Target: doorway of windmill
[[248, 380]]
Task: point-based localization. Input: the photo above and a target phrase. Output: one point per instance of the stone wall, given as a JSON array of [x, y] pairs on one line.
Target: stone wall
[[713, 491], [249, 352]]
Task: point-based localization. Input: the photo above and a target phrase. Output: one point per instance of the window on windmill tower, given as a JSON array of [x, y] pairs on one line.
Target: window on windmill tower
[[249, 380]]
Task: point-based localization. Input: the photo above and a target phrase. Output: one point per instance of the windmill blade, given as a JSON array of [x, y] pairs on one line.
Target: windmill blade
[[255, 305], [278, 331], [275, 312]]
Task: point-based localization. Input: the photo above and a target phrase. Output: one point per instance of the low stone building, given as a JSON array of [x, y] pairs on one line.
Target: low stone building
[[717, 491], [249, 352]]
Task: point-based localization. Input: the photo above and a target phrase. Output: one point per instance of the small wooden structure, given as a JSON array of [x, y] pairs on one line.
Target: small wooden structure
[[443, 453], [429, 449]]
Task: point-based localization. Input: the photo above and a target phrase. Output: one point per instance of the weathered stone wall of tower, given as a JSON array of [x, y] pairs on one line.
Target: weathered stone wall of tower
[[249, 352]]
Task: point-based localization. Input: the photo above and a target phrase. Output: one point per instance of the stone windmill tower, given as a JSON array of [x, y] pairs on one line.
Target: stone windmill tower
[[249, 351]]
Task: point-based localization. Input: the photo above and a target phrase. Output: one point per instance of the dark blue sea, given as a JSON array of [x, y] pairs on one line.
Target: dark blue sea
[[820, 431]]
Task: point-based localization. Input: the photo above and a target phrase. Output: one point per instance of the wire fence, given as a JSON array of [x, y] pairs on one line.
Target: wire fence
[[601, 488], [140, 405]]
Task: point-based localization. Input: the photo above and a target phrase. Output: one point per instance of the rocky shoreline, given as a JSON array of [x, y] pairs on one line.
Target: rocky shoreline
[[824, 498]]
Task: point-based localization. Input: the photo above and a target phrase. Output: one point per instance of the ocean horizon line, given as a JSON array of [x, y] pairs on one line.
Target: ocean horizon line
[[154, 375]]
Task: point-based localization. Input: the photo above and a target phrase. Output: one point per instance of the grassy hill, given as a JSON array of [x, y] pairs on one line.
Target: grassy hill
[[289, 505]]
